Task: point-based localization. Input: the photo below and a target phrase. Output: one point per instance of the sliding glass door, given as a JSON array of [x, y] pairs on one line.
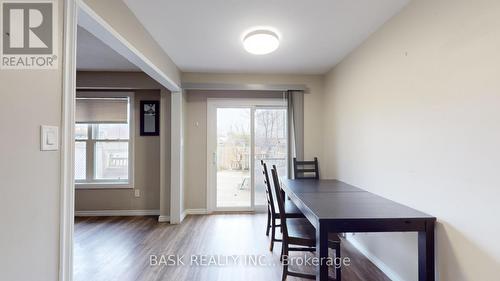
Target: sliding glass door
[[233, 188], [270, 145], [241, 133]]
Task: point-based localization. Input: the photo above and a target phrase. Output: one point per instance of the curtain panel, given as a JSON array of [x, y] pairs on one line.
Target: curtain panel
[[295, 106]]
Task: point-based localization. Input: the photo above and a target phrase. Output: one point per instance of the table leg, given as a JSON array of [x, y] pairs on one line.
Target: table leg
[[426, 253], [322, 252]]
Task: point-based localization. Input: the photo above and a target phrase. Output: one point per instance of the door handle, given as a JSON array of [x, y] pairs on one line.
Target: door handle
[[214, 158]]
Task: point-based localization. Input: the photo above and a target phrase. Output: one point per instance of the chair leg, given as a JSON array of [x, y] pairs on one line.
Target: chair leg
[[268, 222], [273, 234], [284, 251], [338, 269]]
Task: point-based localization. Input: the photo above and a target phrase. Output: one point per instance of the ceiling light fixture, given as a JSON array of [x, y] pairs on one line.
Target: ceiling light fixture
[[261, 42]]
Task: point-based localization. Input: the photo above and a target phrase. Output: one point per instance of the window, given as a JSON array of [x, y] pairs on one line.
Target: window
[[103, 142]]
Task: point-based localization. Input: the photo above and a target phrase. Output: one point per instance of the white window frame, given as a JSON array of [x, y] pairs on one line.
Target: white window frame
[[109, 184]]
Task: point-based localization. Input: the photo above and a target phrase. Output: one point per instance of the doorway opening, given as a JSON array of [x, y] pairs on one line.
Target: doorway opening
[[99, 136], [240, 134]]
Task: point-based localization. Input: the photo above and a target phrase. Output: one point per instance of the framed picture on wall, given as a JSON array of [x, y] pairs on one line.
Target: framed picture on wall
[[150, 118]]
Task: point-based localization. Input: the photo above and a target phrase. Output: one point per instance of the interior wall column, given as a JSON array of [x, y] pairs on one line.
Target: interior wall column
[[177, 161], [165, 155]]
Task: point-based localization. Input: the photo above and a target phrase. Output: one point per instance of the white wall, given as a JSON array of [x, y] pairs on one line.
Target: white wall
[[414, 115], [123, 21]]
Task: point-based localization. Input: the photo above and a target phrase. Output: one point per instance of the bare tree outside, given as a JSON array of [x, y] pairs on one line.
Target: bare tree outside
[[234, 141]]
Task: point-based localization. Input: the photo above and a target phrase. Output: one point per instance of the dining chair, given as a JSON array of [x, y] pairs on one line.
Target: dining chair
[[300, 235], [291, 210], [306, 169]]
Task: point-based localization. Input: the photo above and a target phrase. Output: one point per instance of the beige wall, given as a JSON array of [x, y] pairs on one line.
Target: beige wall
[[196, 112], [414, 115], [146, 172], [147, 149], [115, 80], [30, 178], [122, 20]]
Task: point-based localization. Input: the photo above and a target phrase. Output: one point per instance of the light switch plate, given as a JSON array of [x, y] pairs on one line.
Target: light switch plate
[[49, 138]]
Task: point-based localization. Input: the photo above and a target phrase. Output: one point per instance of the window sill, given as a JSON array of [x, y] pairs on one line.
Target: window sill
[[103, 185]]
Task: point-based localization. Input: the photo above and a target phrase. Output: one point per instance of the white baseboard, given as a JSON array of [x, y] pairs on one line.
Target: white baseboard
[[196, 211], [193, 212], [206, 212], [112, 213], [374, 259], [163, 218]]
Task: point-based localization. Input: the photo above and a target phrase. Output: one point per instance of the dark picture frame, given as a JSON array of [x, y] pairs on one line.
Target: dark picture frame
[[150, 118]]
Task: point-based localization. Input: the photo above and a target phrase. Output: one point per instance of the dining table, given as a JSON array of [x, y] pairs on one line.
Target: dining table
[[333, 206]]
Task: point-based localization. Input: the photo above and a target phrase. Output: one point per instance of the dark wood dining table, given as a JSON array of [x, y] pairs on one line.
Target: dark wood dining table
[[333, 206]]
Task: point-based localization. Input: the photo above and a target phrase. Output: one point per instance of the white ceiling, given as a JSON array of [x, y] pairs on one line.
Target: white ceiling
[[205, 36], [93, 54]]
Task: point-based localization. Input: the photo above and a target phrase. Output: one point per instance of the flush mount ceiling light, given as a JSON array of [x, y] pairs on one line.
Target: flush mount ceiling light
[[261, 42]]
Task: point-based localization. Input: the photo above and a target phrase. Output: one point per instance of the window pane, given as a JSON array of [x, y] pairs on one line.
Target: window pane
[[111, 131], [270, 146], [80, 160], [81, 131], [111, 160], [233, 157]]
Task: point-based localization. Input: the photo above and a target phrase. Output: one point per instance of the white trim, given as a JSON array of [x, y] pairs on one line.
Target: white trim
[[176, 158], [374, 259], [98, 185], [233, 210], [164, 219], [164, 157], [194, 212], [247, 102], [67, 203], [90, 183], [211, 154], [243, 87], [117, 213], [96, 25], [252, 157]]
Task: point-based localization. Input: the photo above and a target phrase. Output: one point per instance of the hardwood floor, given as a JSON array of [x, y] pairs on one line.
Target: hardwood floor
[[119, 248]]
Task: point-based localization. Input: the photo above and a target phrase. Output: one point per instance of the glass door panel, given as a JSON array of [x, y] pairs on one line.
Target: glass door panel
[[270, 146], [233, 181]]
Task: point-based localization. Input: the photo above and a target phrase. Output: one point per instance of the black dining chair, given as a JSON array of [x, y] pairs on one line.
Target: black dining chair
[[300, 235], [306, 169], [291, 211]]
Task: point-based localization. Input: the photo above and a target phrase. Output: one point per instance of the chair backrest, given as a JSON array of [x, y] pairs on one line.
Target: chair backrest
[[281, 201], [269, 193], [306, 169]]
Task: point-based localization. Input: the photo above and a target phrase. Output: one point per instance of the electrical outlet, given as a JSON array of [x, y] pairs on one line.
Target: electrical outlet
[[137, 192]]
